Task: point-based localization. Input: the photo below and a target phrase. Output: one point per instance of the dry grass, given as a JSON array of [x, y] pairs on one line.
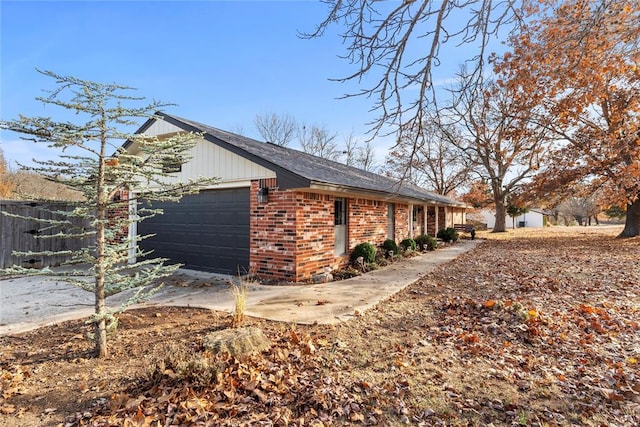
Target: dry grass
[[239, 291], [551, 232]]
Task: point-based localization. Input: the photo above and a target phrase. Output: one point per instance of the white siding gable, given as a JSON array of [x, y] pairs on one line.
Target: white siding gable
[[211, 161], [161, 127]]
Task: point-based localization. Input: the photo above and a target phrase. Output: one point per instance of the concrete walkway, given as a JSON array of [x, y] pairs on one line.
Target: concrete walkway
[[29, 303]]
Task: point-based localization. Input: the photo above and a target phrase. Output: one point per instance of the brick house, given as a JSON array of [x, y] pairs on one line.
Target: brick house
[[278, 212]]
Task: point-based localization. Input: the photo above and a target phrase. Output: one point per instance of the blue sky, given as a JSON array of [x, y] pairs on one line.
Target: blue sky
[[221, 62]]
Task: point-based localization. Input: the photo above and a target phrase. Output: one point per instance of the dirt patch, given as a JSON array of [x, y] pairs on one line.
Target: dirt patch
[[530, 328]]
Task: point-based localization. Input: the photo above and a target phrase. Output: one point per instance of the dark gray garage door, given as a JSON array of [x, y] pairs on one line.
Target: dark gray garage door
[[207, 231]]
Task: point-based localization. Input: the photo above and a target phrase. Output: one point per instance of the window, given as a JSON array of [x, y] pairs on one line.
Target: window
[[172, 164], [340, 212], [340, 221]]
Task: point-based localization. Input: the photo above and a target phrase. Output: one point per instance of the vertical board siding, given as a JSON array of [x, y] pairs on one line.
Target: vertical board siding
[[211, 161], [16, 234], [161, 127]]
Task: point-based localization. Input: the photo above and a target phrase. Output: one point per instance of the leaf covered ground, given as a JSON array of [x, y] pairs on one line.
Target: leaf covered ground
[[534, 327]]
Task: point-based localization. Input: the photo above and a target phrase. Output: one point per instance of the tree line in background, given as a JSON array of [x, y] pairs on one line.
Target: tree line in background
[[25, 185], [283, 129]]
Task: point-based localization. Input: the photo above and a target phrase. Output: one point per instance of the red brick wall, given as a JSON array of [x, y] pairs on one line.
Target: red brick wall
[[402, 222], [315, 228], [367, 222], [293, 235], [272, 246], [120, 210]]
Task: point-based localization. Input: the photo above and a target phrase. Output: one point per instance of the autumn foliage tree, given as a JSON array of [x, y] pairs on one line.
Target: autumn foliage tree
[[6, 178], [478, 195], [580, 63]]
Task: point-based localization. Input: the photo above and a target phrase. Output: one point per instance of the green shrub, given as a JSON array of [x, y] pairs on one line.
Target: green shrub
[[426, 242], [421, 241], [432, 243], [390, 245], [408, 243], [448, 234], [365, 250]]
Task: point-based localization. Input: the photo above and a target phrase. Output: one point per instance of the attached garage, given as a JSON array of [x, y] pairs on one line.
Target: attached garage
[[208, 231]]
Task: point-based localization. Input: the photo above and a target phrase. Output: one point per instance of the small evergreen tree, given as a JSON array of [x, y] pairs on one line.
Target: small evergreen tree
[[93, 162], [515, 211]]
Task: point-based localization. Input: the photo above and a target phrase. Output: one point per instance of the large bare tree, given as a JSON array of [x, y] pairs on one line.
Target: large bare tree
[[279, 129], [492, 130], [581, 208], [319, 141], [358, 153], [397, 46], [433, 161]]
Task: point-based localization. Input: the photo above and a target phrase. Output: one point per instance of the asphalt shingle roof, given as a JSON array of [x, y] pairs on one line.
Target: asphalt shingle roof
[[317, 169]]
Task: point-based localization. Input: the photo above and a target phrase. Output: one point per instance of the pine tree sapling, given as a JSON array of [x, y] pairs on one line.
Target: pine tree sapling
[[93, 162], [515, 211]]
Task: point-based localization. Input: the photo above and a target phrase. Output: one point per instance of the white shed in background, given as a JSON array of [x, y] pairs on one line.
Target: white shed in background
[[533, 218]]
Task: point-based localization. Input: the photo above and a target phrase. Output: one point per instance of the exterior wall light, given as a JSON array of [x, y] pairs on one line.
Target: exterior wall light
[[263, 195]]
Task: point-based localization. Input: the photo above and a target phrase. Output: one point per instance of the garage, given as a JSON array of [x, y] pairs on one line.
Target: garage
[[208, 231]]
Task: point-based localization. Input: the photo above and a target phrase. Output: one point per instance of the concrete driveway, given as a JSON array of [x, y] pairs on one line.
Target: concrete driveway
[[30, 302]]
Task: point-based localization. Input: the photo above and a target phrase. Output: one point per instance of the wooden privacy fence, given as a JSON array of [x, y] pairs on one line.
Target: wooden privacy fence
[[18, 234]]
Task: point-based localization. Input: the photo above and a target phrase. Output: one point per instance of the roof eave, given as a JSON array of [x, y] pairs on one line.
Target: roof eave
[[329, 188]]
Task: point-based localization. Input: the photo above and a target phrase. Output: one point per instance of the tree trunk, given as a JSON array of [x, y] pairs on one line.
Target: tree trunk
[[501, 218], [101, 217], [100, 296], [100, 325], [632, 224]]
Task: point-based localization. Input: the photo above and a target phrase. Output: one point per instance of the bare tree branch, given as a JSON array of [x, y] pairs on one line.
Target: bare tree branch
[[279, 129]]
